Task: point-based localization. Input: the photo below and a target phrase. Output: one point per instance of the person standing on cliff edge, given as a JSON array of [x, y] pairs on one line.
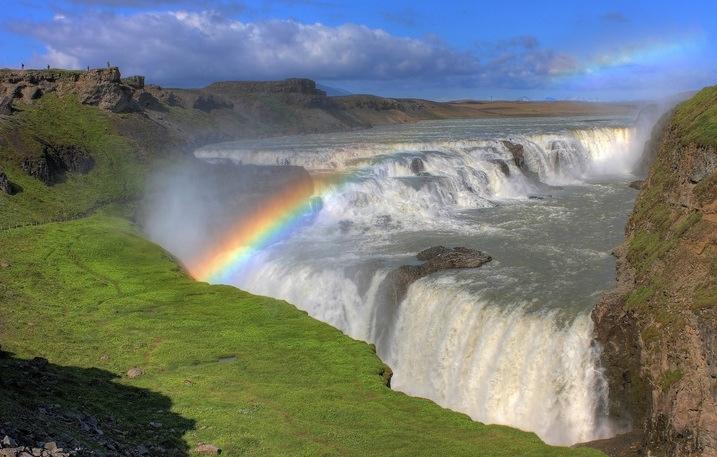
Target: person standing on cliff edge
[[22, 66]]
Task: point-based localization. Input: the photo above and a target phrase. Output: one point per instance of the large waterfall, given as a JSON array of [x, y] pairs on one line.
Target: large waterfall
[[508, 343]]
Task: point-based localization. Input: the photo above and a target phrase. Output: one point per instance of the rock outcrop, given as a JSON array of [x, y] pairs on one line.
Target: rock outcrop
[[54, 161], [658, 329], [102, 87], [8, 187], [518, 153], [435, 259]]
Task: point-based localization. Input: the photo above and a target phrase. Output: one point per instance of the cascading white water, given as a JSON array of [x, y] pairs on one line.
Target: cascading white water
[[508, 343], [499, 365]]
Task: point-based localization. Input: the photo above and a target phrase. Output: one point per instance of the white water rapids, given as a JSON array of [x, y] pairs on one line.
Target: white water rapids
[[508, 343]]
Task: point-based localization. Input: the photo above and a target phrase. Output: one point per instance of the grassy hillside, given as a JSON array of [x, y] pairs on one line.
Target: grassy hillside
[[116, 176], [250, 374]]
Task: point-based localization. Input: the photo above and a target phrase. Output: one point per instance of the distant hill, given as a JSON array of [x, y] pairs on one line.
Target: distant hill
[[229, 110], [333, 91]]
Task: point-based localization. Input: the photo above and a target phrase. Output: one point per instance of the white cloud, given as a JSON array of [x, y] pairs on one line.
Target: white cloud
[[194, 48]]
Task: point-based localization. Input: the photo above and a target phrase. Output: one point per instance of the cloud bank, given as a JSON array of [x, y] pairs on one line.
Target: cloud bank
[[194, 48], [190, 48]]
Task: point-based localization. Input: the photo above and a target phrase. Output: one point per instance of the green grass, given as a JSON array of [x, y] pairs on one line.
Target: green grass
[[251, 374], [117, 175], [696, 118], [670, 377]]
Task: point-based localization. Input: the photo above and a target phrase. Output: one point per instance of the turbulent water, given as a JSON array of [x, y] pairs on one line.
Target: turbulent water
[[508, 343]]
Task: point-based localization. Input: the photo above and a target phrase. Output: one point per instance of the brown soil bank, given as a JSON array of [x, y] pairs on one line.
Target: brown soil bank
[[659, 327]]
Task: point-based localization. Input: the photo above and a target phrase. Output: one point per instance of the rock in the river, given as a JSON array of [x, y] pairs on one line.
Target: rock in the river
[[502, 165], [417, 166], [437, 258], [428, 254], [518, 153]]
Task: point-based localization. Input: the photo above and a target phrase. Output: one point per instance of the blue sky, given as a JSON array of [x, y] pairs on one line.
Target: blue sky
[[604, 50]]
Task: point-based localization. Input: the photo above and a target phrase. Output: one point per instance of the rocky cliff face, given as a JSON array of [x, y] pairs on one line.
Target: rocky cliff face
[[659, 327], [100, 87]]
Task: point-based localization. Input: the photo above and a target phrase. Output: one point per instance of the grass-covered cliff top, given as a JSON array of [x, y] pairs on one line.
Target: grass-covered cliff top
[[250, 374], [671, 229], [696, 118]]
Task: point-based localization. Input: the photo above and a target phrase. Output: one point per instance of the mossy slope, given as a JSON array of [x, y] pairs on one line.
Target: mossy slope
[[258, 376], [116, 177]]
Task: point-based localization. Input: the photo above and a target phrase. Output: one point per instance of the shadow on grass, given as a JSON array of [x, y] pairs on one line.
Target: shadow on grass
[[87, 410]]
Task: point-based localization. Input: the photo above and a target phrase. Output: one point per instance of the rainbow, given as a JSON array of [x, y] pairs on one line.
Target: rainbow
[[284, 213], [649, 52]]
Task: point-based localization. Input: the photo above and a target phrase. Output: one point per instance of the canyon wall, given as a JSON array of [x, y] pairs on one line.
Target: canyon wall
[[658, 329]]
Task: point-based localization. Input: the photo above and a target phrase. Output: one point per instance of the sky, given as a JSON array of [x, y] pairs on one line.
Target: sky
[[442, 50]]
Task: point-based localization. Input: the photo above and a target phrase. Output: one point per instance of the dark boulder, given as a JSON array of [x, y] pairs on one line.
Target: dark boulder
[[502, 165], [518, 152], [435, 259], [6, 105], [417, 166], [394, 286], [52, 164], [8, 187]]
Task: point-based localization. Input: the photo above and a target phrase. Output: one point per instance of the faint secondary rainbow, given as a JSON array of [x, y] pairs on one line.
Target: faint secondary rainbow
[[281, 215], [651, 52]]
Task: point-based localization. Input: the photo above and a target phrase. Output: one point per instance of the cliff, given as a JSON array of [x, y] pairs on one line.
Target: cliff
[[170, 119], [658, 329]]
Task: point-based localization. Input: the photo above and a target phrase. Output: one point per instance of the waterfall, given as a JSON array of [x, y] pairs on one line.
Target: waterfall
[[470, 343]]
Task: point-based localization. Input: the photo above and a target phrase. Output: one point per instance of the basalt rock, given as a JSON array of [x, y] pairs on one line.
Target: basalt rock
[[8, 187], [54, 161], [417, 166], [135, 82], [435, 259], [394, 286], [518, 152], [6, 105], [658, 328], [100, 87], [502, 165]]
